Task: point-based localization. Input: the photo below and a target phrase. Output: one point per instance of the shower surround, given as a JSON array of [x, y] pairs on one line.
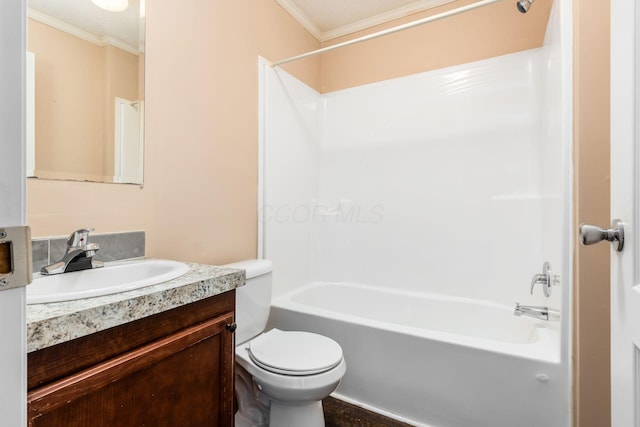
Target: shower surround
[[453, 183]]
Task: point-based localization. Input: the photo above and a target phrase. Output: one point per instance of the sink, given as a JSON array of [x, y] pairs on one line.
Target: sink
[[114, 277]]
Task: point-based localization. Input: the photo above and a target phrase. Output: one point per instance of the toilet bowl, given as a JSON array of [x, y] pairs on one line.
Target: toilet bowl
[[281, 376]]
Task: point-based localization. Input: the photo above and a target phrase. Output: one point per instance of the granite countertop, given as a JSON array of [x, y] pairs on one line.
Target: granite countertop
[[54, 323]]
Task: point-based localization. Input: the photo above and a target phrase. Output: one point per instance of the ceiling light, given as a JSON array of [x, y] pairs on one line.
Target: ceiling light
[[112, 5]]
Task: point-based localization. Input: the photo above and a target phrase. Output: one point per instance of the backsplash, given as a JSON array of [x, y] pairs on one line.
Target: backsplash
[[113, 247]]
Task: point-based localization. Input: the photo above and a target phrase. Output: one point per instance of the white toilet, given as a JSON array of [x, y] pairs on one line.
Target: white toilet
[[281, 376]]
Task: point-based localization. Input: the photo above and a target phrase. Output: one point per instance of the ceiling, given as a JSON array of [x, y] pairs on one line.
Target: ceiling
[[329, 19], [123, 29]]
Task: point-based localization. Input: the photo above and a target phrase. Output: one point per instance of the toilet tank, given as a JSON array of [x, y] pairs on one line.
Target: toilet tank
[[253, 300]]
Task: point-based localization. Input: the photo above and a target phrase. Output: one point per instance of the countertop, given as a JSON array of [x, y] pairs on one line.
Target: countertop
[[54, 323]]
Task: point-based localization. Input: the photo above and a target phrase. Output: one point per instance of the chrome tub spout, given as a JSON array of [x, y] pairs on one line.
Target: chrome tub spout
[[537, 312]]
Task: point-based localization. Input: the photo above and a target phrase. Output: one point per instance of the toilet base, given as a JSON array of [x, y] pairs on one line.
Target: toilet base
[[266, 398], [307, 415], [253, 406]]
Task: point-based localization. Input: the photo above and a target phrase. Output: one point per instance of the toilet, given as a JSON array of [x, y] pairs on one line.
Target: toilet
[[281, 376]]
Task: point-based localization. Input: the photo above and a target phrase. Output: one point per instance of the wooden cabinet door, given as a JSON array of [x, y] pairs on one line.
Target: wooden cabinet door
[[185, 379]]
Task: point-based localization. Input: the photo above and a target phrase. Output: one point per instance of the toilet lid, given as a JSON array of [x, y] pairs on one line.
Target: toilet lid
[[294, 353]]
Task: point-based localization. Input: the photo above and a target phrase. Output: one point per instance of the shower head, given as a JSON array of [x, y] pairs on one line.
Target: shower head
[[524, 5]]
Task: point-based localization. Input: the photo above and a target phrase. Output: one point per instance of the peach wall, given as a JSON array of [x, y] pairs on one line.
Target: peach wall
[[56, 208], [202, 111], [482, 33], [591, 198], [199, 198]]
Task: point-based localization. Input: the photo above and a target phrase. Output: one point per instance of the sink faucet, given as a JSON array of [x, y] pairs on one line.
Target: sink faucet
[[79, 255], [537, 312]]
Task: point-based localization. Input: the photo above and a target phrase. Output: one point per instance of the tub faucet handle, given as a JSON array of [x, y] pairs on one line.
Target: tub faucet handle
[[546, 279], [540, 279]]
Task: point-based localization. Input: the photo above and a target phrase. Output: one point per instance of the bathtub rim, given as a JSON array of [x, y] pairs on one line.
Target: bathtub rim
[[544, 347]]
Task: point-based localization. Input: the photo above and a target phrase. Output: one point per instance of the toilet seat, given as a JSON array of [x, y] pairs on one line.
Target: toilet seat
[[294, 353]]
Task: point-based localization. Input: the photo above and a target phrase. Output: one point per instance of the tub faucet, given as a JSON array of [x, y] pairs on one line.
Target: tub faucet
[[79, 255], [537, 312]]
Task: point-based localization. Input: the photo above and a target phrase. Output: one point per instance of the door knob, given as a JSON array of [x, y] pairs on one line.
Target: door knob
[[590, 234]]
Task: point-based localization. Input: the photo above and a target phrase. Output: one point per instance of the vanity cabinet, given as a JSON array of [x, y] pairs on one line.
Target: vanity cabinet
[[171, 369]]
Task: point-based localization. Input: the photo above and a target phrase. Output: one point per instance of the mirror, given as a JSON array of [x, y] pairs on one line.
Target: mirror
[[85, 90]]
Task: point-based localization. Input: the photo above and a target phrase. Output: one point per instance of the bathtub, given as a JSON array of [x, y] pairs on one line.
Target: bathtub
[[434, 360]]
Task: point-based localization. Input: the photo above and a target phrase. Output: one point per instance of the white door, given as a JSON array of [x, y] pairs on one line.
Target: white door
[[128, 147], [13, 390], [625, 274]]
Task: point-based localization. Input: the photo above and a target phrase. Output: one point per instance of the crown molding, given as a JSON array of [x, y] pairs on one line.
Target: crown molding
[[302, 19], [322, 36], [419, 6], [80, 33]]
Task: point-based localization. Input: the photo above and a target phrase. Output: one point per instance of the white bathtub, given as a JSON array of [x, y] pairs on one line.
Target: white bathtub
[[434, 360]]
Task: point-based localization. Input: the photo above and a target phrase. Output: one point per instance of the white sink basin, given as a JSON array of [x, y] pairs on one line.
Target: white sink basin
[[114, 277]]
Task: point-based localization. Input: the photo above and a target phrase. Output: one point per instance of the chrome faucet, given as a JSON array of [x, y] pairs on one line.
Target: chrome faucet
[[79, 255], [537, 312]]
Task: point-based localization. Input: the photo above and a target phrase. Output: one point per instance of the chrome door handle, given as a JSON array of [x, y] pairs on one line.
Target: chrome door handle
[[590, 234]]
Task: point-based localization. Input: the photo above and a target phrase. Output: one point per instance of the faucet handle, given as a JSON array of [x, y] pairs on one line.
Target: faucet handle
[[79, 237], [546, 279], [539, 279]]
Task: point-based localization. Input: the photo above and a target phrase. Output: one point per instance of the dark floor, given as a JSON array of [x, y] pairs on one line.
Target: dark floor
[[338, 413]]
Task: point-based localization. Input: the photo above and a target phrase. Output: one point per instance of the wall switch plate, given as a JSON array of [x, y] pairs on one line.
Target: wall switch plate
[[15, 257]]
